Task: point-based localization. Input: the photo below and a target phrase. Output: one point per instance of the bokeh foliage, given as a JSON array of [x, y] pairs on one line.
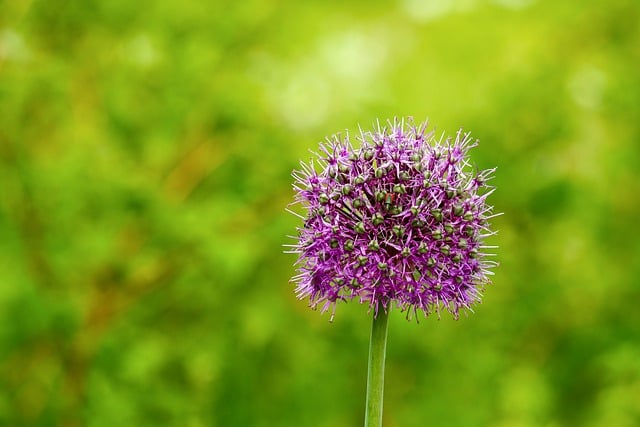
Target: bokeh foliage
[[145, 152]]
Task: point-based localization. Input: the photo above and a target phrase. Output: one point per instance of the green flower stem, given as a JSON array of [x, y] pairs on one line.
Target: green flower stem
[[375, 376]]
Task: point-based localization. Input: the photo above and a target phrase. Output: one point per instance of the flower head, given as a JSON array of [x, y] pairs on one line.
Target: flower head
[[401, 220]]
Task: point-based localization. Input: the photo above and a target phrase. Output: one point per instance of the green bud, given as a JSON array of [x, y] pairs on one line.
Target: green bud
[[437, 214], [398, 188], [468, 216], [458, 279], [357, 203], [362, 260], [380, 172], [457, 210], [431, 262], [448, 227], [348, 245], [354, 283], [473, 253], [414, 210], [436, 234], [423, 248], [445, 249], [374, 245], [377, 219], [468, 230], [379, 196], [343, 168], [416, 275], [456, 258], [398, 230], [346, 189], [323, 198], [368, 154], [437, 287], [360, 227], [462, 244], [405, 252], [333, 243], [450, 193], [404, 176], [382, 265], [359, 180]]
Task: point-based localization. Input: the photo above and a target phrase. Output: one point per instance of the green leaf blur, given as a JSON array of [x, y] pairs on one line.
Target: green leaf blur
[[145, 158]]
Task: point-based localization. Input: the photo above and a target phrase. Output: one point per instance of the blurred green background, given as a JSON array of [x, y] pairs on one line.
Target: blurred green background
[[145, 158]]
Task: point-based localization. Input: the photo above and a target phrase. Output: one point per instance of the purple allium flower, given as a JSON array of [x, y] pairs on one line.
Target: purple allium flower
[[400, 219]]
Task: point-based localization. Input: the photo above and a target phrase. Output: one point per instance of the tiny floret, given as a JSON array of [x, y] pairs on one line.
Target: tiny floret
[[399, 218]]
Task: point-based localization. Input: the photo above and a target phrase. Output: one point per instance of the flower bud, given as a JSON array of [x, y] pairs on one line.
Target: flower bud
[[377, 219]]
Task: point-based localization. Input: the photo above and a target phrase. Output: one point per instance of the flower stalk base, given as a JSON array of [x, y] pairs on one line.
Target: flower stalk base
[[375, 377]]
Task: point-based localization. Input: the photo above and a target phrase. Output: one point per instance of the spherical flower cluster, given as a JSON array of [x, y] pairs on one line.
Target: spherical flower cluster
[[401, 220]]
